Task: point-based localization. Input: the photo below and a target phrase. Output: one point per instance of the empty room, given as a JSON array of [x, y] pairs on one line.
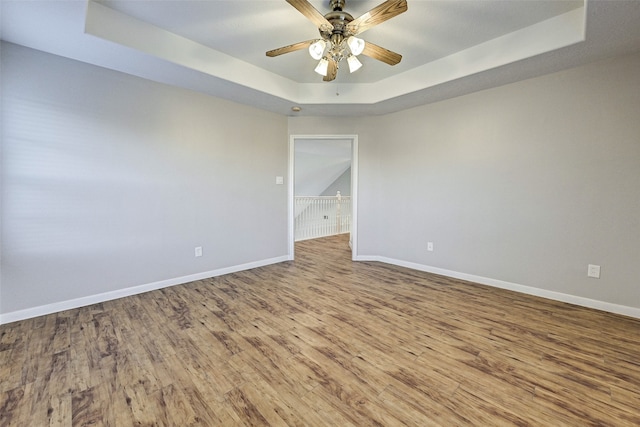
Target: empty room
[[320, 213]]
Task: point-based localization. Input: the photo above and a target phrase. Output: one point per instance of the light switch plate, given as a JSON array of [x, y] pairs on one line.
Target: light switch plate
[[279, 180]]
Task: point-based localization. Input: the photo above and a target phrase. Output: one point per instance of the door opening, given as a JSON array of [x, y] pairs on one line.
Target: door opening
[[318, 154]]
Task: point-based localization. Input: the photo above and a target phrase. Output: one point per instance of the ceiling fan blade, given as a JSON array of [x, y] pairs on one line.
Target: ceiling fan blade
[[312, 14], [332, 70], [290, 48], [381, 54], [377, 15]]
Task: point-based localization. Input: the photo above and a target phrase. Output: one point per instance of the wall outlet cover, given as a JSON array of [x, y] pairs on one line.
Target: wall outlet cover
[[593, 271]]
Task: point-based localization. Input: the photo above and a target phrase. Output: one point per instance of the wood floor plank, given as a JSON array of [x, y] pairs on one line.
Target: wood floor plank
[[59, 411], [289, 406], [290, 374], [176, 405], [427, 410], [323, 341]]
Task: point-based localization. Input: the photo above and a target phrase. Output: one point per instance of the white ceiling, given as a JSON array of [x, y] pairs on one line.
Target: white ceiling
[[449, 47]]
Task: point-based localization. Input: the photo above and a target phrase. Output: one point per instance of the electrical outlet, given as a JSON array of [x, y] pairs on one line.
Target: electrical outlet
[[198, 251], [430, 246], [593, 271]]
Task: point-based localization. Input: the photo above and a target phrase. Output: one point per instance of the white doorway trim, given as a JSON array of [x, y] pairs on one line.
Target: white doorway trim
[[354, 188]]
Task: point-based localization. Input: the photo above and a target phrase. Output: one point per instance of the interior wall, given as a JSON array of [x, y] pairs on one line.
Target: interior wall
[[341, 184], [110, 181], [526, 183]]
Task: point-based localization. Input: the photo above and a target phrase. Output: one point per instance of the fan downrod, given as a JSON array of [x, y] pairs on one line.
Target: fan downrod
[[337, 4]]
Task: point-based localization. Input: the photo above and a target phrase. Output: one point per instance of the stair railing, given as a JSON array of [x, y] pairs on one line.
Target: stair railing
[[322, 216]]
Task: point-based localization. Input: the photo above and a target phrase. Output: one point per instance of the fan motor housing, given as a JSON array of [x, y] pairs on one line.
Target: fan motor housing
[[339, 19]]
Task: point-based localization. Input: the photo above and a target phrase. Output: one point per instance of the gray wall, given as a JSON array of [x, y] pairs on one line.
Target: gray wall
[[110, 181], [526, 183]]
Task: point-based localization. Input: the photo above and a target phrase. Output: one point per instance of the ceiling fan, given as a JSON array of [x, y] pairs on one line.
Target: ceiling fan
[[338, 30]]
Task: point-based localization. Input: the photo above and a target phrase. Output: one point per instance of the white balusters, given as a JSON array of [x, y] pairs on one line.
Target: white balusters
[[322, 216]]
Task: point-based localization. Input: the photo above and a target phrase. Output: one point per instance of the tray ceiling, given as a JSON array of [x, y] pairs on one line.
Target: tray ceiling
[[449, 47]]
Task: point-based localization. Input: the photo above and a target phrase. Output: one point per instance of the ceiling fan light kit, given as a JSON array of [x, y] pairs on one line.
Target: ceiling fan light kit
[[322, 67], [356, 45], [354, 63], [337, 52], [316, 49], [338, 30]]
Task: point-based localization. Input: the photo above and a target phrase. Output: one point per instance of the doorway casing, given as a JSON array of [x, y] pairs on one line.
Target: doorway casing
[[354, 188]]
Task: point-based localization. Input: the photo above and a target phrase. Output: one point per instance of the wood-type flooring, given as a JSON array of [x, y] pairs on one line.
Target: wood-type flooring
[[322, 341]]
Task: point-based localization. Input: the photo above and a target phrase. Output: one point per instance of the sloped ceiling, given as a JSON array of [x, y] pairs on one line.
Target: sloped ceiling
[[319, 163], [449, 47]]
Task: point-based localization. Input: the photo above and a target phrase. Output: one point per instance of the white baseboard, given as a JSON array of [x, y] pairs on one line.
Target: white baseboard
[[120, 293], [529, 290], [42, 310]]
